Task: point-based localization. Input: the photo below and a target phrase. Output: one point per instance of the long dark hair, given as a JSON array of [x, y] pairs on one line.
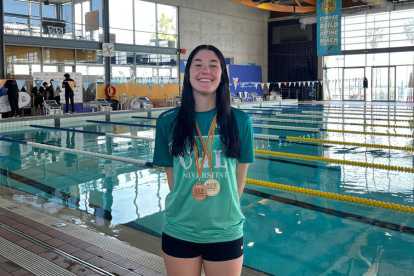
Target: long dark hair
[[184, 124]]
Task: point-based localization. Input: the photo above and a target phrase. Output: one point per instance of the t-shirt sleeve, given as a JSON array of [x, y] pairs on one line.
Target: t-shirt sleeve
[[162, 156], [246, 141]]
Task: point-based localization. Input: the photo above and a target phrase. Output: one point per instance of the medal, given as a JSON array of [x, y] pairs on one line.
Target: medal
[[212, 187], [199, 192]]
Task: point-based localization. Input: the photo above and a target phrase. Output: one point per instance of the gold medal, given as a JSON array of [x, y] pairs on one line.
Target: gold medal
[[212, 187], [199, 192]]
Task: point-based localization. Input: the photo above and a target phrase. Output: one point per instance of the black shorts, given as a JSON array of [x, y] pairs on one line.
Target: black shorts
[[213, 252], [38, 102]]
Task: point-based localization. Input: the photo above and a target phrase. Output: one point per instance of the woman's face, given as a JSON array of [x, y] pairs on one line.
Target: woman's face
[[205, 72]]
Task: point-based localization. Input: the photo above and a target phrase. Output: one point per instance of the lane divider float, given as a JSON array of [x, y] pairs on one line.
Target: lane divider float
[[332, 160], [309, 129], [352, 199], [323, 122]]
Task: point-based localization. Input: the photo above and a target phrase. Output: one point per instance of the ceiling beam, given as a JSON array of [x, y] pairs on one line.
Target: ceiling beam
[[312, 2], [298, 3], [275, 7]]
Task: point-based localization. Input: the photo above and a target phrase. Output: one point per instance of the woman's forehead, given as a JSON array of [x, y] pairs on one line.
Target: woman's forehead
[[203, 55]]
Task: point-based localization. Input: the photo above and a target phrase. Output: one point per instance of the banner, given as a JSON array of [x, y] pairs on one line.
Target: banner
[[20, 84], [72, 84], [2, 82], [24, 100], [149, 86], [38, 83], [248, 79], [56, 78], [329, 27], [55, 84], [85, 85]]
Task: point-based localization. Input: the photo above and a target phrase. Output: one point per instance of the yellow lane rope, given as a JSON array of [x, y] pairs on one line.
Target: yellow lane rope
[[332, 160], [407, 148], [337, 117], [351, 199], [329, 130]]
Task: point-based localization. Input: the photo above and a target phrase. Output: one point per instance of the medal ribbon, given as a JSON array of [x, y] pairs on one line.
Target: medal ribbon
[[205, 147]]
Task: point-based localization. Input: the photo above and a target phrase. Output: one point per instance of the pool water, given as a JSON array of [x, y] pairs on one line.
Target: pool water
[[286, 233]]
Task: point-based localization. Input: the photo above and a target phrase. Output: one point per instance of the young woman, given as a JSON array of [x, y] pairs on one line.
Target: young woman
[[205, 147]]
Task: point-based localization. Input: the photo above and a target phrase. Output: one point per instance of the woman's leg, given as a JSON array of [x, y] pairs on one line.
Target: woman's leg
[[226, 268], [182, 267], [72, 103], [67, 102]]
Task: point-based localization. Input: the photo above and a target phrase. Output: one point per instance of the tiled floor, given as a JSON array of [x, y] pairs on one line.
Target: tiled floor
[[69, 244]]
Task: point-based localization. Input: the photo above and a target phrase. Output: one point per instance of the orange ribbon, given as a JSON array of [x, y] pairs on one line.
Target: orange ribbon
[[205, 145]]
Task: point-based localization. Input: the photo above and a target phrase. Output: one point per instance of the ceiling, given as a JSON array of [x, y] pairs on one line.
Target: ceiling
[[282, 8]]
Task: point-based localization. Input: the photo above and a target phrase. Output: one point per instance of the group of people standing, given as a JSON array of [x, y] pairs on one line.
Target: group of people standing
[[44, 92]]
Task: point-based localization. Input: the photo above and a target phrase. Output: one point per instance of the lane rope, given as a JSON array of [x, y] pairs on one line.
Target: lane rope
[[327, 113], [96, 133], [323, 141], [324, 122], [332, 160], [352, 199], [336, 117], [79, 152], [309, 129]]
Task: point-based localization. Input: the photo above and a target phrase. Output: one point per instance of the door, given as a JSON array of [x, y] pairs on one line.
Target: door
[[383, 84], [353, 84]]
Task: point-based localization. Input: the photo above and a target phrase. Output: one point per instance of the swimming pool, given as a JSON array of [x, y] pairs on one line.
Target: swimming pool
[[287, 232]]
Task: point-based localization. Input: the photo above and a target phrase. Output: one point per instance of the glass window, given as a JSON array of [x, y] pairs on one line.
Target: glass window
[[167, 26], [168, 69], [22, 54], [377, 59], [58, 55], [121, 58], [333, 61], [121, 21], [401, 58], [145, 23], [89, 57], [355, 60], [16, 7], [378, 30], [49, 11]]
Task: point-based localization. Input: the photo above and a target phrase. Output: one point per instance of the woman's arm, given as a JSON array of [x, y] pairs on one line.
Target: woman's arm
[[241, 170], [170, 177]]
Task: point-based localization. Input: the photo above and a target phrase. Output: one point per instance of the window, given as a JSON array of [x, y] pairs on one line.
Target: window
[[167, 26], [155, 24], [121, 21]]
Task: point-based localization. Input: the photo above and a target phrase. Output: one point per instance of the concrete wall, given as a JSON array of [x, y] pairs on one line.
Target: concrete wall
[[239, 31]]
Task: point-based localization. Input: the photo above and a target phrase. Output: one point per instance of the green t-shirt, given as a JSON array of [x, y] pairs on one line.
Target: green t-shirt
[[217, 218]]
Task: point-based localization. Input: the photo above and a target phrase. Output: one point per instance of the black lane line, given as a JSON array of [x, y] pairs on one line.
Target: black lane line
[[33, 183], [357, 218], [297, 163]]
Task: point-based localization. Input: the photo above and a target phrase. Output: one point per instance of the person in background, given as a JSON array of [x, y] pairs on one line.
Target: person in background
[[13, 94], [38, 95], [69, 94], [54, 94]]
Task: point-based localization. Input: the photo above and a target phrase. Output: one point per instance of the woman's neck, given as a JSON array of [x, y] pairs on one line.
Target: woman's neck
[[205, 102]]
